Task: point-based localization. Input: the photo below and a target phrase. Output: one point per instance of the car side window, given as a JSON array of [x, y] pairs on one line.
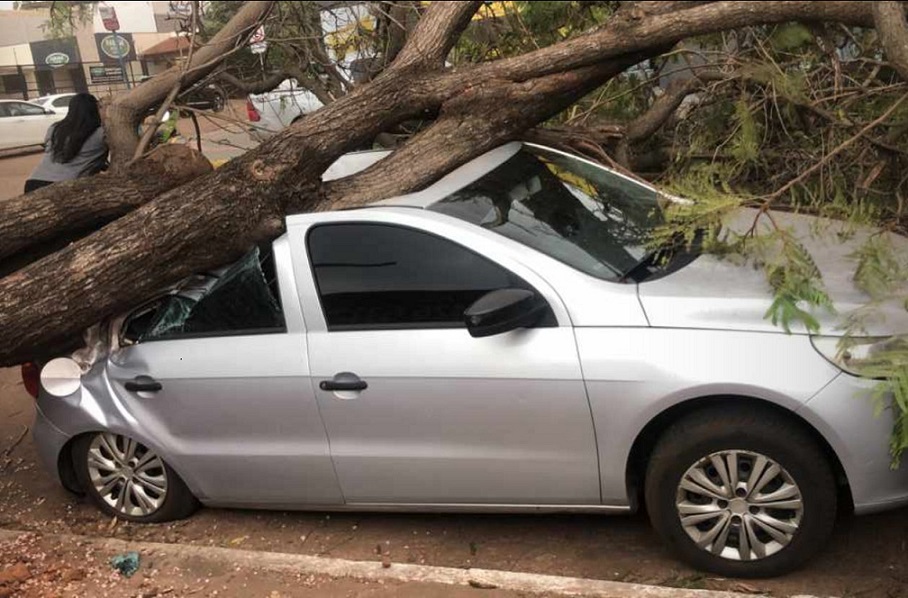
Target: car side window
[[238, 300], [4, 110], [62, 102], [379, 276], [23, 109]]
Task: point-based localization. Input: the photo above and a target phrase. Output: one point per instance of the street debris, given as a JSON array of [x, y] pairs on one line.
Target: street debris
[[127, 564]]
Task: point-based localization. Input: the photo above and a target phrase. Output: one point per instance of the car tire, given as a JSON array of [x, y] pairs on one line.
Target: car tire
[[739, 532], [151, 493], [219, 102]]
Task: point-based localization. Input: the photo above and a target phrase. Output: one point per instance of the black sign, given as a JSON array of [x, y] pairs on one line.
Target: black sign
[[55, 53], [106, 74], [114, 46]]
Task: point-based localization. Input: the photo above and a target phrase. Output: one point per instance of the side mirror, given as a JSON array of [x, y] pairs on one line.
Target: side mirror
[[502, 311]]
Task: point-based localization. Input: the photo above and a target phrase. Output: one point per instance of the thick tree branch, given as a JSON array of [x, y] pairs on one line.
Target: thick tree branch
[[646, 125], [892, 28], [435, 34], [38, 217], [627, 33], [470, 124]]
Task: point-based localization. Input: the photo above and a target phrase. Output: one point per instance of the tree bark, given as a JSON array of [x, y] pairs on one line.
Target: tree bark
[[31, 220], [892, 27]]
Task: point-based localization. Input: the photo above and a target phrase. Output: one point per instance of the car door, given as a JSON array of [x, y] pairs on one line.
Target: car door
[[9, 132], [442, 418], [26, 124], [61, 105], [218, 377]]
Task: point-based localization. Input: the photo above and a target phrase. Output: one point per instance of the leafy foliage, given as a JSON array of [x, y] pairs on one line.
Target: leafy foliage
[[798, 286], [65, 17]]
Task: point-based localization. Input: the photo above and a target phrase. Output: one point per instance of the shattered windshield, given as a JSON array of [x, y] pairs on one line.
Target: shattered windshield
[[594, 220], [239, 299]]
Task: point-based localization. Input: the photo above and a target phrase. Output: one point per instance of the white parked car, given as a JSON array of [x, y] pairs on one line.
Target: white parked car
[[23, 124], [59, 103], [278, 109], [504, 340]]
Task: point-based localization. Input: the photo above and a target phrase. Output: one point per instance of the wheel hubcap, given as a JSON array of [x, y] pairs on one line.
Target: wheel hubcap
[[127, 475], [739, 505]]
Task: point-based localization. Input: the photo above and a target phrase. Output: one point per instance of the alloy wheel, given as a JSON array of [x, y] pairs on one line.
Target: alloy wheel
[[127, 475]]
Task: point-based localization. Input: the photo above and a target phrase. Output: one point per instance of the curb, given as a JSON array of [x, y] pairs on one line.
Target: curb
[[374, 571]]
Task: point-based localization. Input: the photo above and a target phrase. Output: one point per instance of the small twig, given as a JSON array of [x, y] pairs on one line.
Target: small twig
[[159, 115], [9, 450], [842, 147]]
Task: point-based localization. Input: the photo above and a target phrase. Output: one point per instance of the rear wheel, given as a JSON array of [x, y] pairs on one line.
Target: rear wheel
[[128, 480], [741, 492]]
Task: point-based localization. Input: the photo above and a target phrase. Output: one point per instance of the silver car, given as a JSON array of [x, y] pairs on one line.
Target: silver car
[[502, 341]]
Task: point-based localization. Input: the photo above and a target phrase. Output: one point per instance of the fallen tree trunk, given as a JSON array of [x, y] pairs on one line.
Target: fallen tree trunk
[[32, 220], [213, 219]]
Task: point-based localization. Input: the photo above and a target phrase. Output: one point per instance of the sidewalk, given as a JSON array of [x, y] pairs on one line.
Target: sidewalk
[[32, 565]]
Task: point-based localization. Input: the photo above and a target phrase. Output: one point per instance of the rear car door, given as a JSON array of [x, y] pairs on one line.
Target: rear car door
[[231, 403], [445, 418]]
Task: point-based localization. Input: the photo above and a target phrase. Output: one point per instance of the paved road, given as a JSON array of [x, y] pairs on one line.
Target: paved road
[[867, 556]]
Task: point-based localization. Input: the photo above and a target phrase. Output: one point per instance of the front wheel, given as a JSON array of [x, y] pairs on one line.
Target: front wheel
[[741, 492], [128, 480]]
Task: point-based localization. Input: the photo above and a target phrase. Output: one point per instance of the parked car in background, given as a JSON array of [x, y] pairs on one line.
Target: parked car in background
[[204, 97], [59, 103], [201, 96], [504, 340], [276, 110], [24, 124]]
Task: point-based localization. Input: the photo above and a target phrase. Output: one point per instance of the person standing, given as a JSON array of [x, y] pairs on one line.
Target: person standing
[[74, 147]]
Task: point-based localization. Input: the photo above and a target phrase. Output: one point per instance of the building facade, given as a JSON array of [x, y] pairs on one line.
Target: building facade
[[92, 59]]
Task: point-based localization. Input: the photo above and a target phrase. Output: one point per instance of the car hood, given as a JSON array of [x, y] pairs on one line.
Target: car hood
[[733, 294]]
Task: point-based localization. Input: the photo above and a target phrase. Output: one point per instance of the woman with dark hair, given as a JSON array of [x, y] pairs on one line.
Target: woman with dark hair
[[74, 147]]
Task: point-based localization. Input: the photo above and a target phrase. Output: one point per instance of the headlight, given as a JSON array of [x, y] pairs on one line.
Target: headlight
[[859, 356]]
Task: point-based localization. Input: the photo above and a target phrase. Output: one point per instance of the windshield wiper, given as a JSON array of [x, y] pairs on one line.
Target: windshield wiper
[[640, 271]]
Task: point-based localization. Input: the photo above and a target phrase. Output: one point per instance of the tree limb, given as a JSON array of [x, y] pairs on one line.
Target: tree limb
[[435, 34], [646, 125], [30, 220], [625, 33], [471, 123], [892, 27]]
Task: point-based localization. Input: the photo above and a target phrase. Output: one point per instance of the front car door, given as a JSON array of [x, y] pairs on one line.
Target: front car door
[[445, 419], [9, 132], [235, 412], [25, 124]]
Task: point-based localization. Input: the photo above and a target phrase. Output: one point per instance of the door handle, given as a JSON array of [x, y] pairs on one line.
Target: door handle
[[144, 384], [344, 381]]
